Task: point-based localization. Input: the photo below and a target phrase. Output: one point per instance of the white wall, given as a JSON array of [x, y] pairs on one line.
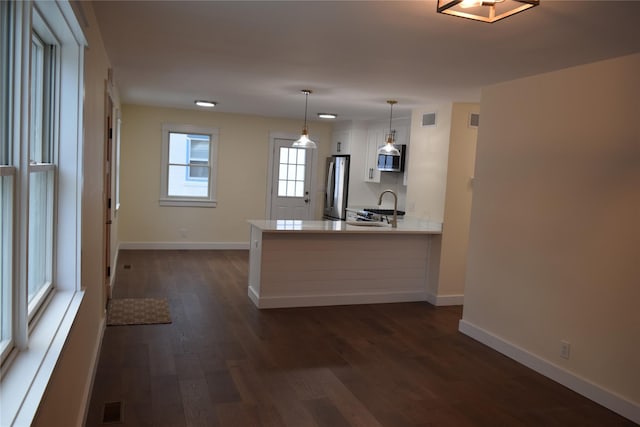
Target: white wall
[[555, 225], [69, 388], [428, 157], [243, 154], [457, 205]]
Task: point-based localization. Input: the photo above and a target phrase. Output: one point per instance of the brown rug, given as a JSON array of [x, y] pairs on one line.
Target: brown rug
[[138, 311]]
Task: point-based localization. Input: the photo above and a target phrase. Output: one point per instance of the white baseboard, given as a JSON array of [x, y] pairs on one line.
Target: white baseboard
[[94, 369], [185, 245], [334, 299], [598, 394], [442, 300]]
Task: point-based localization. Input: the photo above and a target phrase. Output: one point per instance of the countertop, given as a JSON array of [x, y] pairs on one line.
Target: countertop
[[405, 226]]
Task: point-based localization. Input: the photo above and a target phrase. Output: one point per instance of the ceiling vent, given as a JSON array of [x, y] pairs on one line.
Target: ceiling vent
[[474, 120], [428, 119]]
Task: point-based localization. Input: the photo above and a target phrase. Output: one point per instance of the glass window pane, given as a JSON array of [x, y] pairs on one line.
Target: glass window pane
[[282, 188], [284, 155], [178, 148], [6, 237], [282, 174], [198, 172], [40, 232], [5, 85], [291, 188], [37, 99], [180, 185], [301, 156], [300, 173], [299, 188], [291, 172], [199, 148]]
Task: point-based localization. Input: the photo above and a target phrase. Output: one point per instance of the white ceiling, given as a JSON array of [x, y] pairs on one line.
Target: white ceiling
[[254, 57]]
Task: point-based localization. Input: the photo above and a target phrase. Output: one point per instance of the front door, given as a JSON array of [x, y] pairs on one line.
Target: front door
[[290, 181]]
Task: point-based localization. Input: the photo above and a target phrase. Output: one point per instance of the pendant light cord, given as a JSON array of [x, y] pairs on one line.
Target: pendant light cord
[[306, 99], [390, 116]]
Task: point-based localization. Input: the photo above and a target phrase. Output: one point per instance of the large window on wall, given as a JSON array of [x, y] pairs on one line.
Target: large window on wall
[[7, 177], [41, 91], [41, 172], [189, 156]]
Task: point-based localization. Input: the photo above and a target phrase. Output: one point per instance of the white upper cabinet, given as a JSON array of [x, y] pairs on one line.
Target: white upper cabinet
[[377, 137]]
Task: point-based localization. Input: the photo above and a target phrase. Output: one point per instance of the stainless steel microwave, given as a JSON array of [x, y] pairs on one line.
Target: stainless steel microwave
[[389, 163]]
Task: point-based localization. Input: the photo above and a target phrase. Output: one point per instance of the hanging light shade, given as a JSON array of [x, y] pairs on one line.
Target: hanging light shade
[[304, 141], [485, 10], [388, 148]]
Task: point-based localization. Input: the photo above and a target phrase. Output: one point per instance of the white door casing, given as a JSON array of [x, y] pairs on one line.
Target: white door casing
[[290, 184]]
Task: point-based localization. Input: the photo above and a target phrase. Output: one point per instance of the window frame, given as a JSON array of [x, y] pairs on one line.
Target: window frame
[[189, 201], [38, 334]]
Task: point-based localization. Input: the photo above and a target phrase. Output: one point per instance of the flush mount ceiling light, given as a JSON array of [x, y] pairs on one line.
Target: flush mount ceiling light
[[327, 115], [304, 141], [389, 149], [485, 10], [208, 104]]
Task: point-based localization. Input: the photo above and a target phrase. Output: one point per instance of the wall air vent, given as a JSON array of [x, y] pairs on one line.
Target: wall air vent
[[474, 120], [428, 119]]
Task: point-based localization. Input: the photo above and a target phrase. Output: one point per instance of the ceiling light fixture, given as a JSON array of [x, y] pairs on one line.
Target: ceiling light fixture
[[389, 149], [208, 104], [304, 141], [484, 10], [327, 115]]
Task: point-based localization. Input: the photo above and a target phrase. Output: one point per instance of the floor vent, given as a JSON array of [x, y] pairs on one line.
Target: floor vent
[[113, 413]]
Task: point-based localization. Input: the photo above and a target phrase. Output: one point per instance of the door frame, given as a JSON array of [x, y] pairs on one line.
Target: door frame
[[270, 164]]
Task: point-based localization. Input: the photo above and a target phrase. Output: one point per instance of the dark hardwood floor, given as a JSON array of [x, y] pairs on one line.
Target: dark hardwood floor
[[223, 362]]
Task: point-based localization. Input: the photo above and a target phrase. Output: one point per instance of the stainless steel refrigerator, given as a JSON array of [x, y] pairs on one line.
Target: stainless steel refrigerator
[[337, 187]]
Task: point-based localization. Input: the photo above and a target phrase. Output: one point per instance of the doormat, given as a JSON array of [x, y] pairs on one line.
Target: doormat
[[138, 311]]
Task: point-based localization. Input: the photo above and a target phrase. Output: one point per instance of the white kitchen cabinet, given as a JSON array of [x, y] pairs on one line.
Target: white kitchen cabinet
[[375, 139], [341, 142]]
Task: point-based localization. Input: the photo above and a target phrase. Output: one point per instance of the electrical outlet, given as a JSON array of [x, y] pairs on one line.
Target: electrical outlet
[[565, 349]]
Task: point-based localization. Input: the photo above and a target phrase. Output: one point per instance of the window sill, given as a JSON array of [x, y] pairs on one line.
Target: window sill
[[194, 203], [25, 380]]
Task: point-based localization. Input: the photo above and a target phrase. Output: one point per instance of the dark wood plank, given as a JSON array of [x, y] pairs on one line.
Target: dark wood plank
[[222, 362]]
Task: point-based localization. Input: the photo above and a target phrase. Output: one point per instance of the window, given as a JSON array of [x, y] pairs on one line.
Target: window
[[291, 172], [41, 173], [7, 177], [41, 90], [188, 166]]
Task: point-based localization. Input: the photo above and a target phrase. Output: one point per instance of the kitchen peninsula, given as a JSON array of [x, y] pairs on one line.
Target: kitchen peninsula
[[295, 263]]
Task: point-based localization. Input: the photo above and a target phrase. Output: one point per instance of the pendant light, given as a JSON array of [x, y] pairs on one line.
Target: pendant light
[[484, 10], [389, 149], [304, 141]]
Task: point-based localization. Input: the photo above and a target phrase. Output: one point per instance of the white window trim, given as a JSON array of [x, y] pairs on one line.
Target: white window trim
[[28, 368], [202, 202]]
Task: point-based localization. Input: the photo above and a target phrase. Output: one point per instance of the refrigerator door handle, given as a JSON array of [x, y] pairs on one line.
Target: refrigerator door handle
[[331, 178]]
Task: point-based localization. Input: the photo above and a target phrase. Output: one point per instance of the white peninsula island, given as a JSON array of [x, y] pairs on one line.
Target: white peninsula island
[[294, 263]]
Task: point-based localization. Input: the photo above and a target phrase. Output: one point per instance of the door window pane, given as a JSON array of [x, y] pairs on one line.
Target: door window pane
[[291, 172]]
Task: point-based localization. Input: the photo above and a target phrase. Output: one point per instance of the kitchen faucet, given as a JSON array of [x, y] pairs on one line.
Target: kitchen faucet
[[394, 221]]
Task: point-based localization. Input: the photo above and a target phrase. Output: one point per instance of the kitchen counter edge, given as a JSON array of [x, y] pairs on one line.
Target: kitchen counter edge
[[405, 226]]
